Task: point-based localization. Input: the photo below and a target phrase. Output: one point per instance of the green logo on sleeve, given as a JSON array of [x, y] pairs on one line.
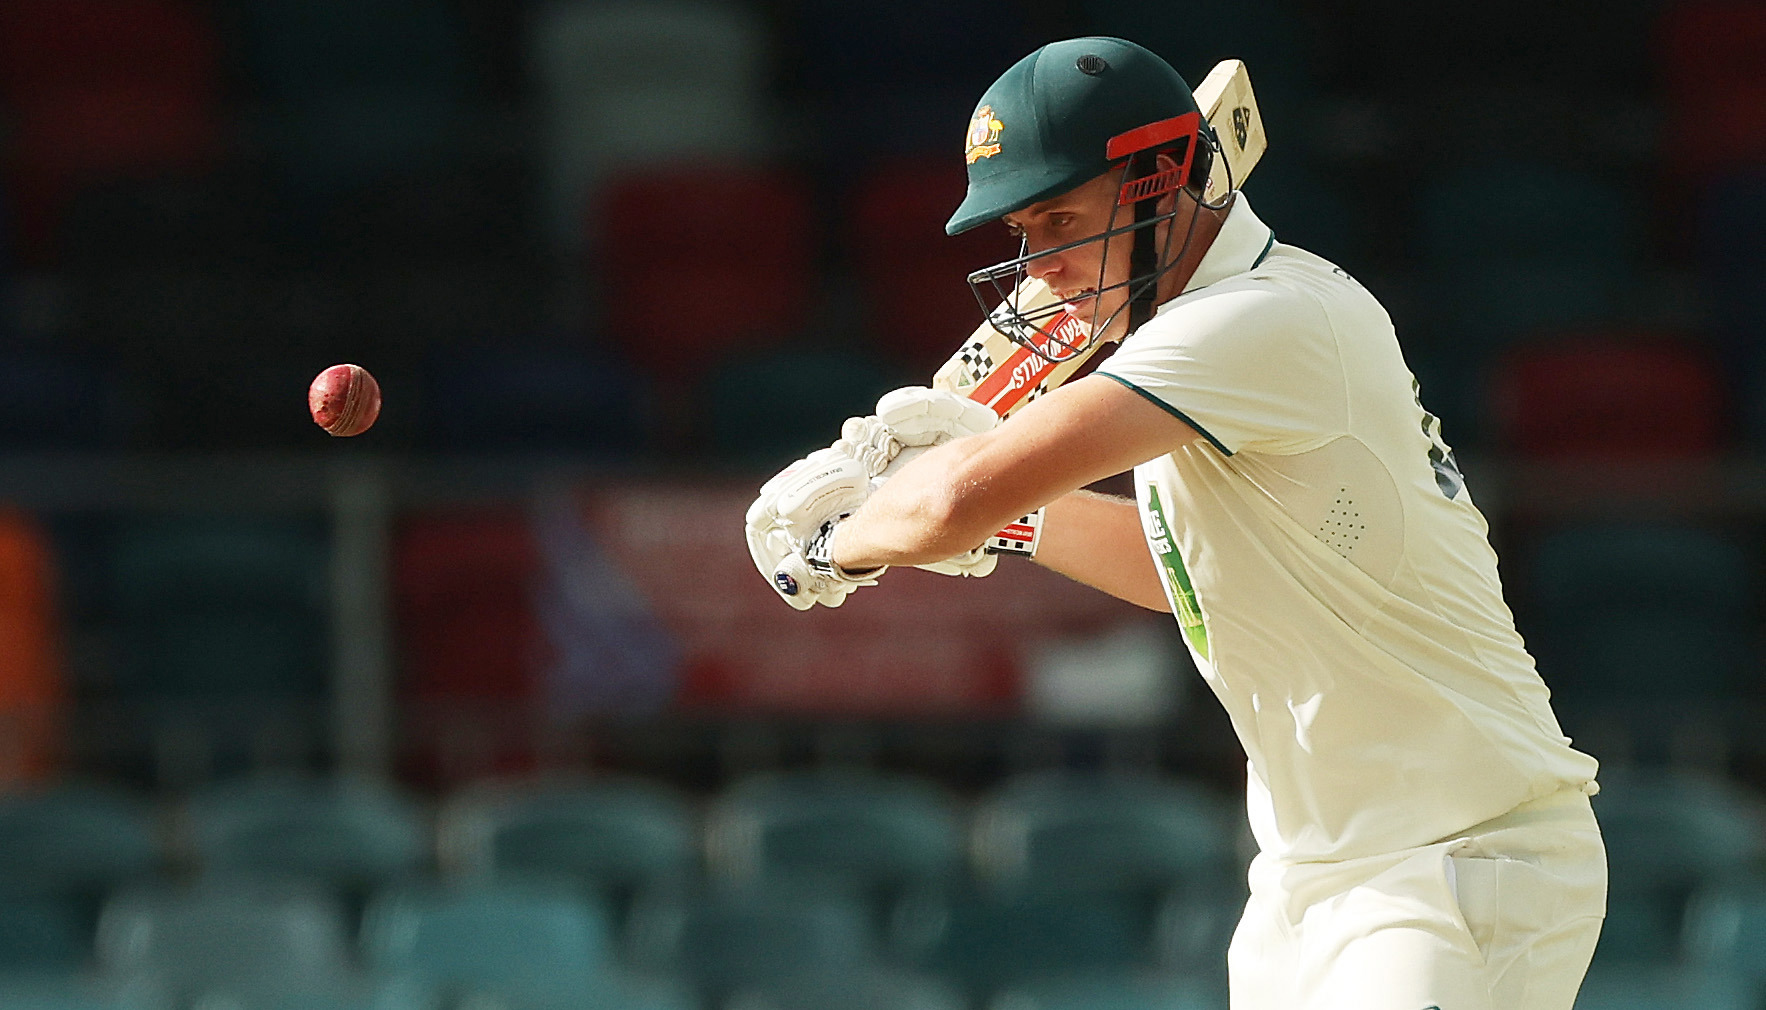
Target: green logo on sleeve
[[1177, 577]]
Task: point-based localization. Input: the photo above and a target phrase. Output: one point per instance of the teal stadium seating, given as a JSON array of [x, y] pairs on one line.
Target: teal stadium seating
[[500, 937], [784, 403], [1122, 992], [384, 994], [984, 941], [74, 840], [350, 834], [613, 836], [855, 989], [1668, 835], [249, 935], [64, 991], [1726, 926], [41, 934], [725, 942], [1665, 987], [1556, 251], [1641, 614], [868, 832], [1101, 833], [221, 610]]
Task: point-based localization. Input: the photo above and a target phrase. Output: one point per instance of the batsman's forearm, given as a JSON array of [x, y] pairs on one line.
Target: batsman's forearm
[[936, 507], [1096, 539]]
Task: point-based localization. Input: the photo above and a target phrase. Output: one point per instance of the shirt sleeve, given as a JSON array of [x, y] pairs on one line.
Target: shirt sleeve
[[1250, 368]]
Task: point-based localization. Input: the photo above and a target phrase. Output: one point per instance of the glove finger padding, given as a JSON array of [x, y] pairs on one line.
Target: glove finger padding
[[919, 416], [831, 484], [868, 440]]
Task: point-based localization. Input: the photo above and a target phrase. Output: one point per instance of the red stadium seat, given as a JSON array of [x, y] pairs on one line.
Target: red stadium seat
[[1609, 397], [468, 639], [697, 260], [1711, 56], [102, 89], [32, 688], [911, 273]]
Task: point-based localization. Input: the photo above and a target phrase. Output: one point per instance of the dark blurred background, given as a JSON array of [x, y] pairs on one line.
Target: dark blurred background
[[487, 708]]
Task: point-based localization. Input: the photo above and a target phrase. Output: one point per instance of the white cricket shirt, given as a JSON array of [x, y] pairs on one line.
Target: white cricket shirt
[[1330, 572]]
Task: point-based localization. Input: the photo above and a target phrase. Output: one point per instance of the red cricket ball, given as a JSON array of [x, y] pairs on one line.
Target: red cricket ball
[[344, 399]]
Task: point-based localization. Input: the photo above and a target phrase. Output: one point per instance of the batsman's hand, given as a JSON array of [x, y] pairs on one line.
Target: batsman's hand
[[790, 526], [920, 418]]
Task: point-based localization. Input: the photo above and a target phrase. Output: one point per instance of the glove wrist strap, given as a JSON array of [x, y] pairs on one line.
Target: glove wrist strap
[[819, 553]]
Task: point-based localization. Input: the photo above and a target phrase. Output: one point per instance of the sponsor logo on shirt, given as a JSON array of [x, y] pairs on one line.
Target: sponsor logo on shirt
[[1177, 577]]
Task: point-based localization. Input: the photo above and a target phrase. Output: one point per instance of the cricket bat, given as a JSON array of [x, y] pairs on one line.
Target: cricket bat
[[1003, 373]]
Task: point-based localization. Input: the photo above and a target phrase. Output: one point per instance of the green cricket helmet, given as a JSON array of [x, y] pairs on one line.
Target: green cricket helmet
[[1066, 114], [1070, 112]]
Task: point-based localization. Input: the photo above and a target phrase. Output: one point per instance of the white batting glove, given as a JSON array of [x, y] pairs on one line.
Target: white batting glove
[[921, 418], [795, 513]]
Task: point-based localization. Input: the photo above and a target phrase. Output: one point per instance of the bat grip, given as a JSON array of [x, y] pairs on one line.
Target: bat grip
[[1020, 537]]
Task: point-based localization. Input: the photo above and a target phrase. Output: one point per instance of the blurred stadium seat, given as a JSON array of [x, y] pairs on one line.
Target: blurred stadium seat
[[873, 834], [349, 834], [728, 262], [39, 991], [1730, 255], [463, 584], [502, 937], [917, 301], [383, 994], [734, 940], [1726, 926], [984, 941], [533, 400], [762, 409], [242, 933], [34, 692], [615, 836], [853, 989], [1590, 587], [1667, 835], [1665, 987], [221, 609], [1122, 992], [629, 85], [103, 90], [1610, 397], [1071, 832], [42, 935], [59, 401], [1710, 63], [355, 92], [1275, 43], [1556, 251], [74, 839], [1193, 929], [893, 77]]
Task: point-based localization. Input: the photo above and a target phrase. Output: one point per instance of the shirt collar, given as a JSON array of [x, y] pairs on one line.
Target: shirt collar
[[1241, 243]]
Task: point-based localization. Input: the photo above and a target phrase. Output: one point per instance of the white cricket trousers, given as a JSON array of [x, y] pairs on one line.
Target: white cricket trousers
[[1501, 917]]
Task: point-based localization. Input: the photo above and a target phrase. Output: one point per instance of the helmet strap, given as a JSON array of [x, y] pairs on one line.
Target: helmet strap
[[1143, 258]]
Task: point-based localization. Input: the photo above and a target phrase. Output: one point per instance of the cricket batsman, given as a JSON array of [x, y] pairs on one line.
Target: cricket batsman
[[1425, 834]]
